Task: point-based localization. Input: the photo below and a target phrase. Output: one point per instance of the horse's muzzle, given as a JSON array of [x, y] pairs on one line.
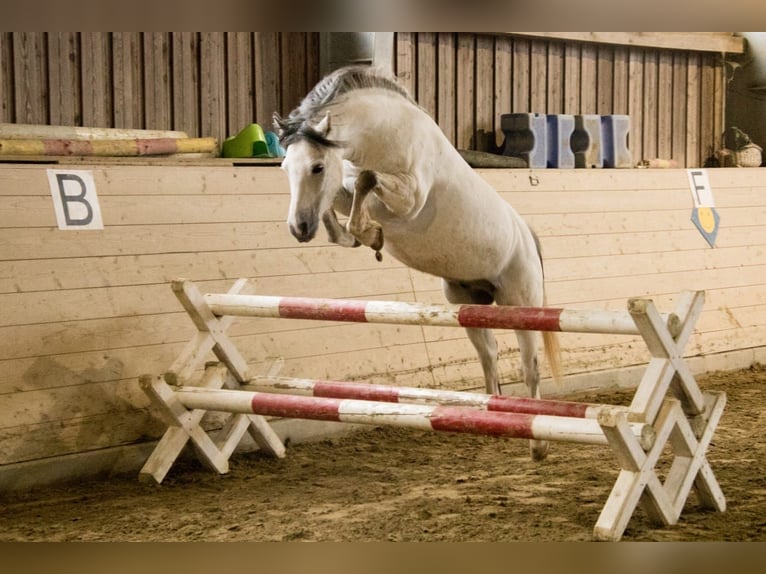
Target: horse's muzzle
[[303, 231]]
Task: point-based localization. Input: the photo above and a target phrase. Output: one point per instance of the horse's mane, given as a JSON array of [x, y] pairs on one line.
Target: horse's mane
[[324, 94]]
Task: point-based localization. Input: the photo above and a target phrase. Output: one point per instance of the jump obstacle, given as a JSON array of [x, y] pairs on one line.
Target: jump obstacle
[[668, 408]]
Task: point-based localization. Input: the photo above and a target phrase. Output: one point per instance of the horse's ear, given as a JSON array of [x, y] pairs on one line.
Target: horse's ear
[[323, 127], [279, 124]]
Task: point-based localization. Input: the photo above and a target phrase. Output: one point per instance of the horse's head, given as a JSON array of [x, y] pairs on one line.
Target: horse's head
[[314, 167]]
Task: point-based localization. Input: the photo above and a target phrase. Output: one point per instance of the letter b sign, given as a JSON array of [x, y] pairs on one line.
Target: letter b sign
[[74, 199]]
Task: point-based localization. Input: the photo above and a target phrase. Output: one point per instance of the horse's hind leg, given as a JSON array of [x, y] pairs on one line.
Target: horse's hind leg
[[482, 339], [528, 351]]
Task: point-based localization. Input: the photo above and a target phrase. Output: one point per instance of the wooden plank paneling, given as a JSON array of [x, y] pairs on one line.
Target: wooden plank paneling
[[87, 312], [214, 84], [582, 77]]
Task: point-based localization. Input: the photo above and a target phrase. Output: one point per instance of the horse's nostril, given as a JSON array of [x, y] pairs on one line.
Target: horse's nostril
[[303, 228]]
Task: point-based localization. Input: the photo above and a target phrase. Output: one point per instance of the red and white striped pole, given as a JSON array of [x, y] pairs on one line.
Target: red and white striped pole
[[415, 395], [424, 417], [397, 312]]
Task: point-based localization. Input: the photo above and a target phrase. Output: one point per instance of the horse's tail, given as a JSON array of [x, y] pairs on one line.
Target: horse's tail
[[550, 338], [552, 352]]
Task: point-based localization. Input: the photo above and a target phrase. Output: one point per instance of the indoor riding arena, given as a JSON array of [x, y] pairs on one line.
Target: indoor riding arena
[[178, 367]]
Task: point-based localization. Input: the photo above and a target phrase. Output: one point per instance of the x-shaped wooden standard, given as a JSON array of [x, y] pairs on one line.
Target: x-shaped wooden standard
[[685, 423], [185, 424]]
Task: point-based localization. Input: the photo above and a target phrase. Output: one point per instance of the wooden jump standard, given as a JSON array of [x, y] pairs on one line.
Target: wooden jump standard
[[637, 434]]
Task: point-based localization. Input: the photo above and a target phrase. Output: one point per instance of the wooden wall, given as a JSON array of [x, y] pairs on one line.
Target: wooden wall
[[215, 83], [675, 97], [84, 313], [208, 84]]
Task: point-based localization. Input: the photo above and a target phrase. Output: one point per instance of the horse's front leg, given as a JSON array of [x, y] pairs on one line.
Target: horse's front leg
[[336, 233], [399, 193], [360, 225]]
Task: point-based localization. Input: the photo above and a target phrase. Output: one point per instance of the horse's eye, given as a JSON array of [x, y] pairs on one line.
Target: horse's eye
[[317, 169]]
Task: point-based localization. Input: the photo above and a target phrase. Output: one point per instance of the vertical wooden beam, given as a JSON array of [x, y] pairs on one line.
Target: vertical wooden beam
[[240, 95], [665, 105], [605, 84], [64, 79], [538, 67], [620, 81], [97, 96], [446, 80], [30, 79], [426, 72], [158, 96], [485, 94], [719, 95], [589, 85], [636, 102], [572, 79], [312, 59], [213, 85], [267, 77], [694, 157], [7, 107], [709, 138], [680, 85], [406, 66], [293, 69], [555, 79], [128, 80], [466, 64], [650, 105], [521, 72], [186, 83], [503, 82]]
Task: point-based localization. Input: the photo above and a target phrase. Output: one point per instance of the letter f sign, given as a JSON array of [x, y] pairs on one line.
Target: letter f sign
[[75, 200]]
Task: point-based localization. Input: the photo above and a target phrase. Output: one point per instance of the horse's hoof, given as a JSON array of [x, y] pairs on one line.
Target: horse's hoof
[[378, 256], [377, 243], [538, 449]]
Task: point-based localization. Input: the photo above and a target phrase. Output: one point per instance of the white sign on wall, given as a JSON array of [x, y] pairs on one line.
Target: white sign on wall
[[704, 215], [74, 199]]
